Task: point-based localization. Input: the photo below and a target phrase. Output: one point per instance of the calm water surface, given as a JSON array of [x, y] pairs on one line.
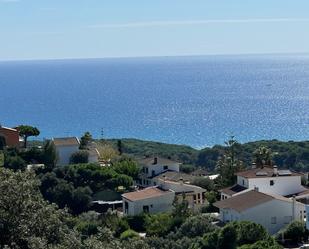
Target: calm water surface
[[186, 100]]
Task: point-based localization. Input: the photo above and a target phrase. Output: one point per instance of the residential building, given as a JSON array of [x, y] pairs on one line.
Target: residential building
[[195, 195], [65, 148], [268, 180], [149, 200], [153, 166], [11, 136], [271, 211]]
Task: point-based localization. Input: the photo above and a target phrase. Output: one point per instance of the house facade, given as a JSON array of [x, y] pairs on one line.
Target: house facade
[[65, 147], [10, 136], [271, 211], [268, 180], [153, 166], [148, 200]]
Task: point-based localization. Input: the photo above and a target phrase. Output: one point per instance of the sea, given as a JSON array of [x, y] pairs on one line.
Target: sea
[[194, 100]]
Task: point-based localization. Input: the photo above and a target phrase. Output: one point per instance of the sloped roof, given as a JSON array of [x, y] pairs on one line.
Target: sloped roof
[[175, 176], [248, 200], [233, 190], [149, 161], [146, 193], [66, 141]]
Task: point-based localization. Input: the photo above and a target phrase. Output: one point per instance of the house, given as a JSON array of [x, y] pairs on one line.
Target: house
[[149, 200], [271, 211], [268, 180], [195, 195], [152, 197], [65, 147], [10, 136], [154, 166]]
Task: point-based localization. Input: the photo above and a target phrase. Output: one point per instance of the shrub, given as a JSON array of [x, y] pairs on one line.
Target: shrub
[[79, 157], [129, 234]]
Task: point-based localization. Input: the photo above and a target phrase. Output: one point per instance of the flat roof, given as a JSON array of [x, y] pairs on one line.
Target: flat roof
[[146, 193], [266, 172]]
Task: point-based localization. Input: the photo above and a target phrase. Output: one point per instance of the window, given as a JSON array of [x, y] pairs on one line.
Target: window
[[153, 173], [146, 209], [243, 182], [151, 206], [165, 167], [272, 182], [198, 196], [273, 220]]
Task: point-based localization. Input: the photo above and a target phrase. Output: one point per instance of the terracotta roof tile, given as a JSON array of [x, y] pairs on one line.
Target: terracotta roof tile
[[66, 141], [145, 193], [248, 200]]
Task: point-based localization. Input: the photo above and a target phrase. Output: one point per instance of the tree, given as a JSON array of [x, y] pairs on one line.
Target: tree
[[128, 167], [85, 140], [295, 232], [119, 147], [50, 154], [227, 237], [195, 226], [228, 165], [27, 131], [25, 217], [262, 157], [79, 157]]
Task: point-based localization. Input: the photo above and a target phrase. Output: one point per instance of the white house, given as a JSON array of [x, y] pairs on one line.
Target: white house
[[65, 147], [271, 211], [149, 200], [268, 180], [154, 166]]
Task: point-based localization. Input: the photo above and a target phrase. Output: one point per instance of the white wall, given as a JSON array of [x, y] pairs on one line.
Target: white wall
[[242, 181], [158, 169], [158, 204], [284, 185], [262, 214], [64, 153]]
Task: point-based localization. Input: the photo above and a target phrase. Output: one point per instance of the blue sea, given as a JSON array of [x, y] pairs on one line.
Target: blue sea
[[198, 101]]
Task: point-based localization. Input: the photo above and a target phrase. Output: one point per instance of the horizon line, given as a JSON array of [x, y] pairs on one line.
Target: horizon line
[[157, 56]]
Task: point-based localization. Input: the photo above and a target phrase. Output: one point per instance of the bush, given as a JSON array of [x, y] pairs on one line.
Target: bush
[[195, 226], [227, 237], [295, 232], [129, 234], [137, 222], [79, 157]]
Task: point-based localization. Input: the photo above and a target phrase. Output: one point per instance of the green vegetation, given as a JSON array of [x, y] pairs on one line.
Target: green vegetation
[[291, 154], [28, 131], [51, 207]]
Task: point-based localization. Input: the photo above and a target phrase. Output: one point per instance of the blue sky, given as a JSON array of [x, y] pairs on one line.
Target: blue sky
[[49, 29]]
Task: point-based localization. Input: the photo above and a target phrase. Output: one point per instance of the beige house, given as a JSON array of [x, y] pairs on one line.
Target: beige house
[[149, 200]]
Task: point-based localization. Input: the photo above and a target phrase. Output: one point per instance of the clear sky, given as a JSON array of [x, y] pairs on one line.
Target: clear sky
[[47, 29]]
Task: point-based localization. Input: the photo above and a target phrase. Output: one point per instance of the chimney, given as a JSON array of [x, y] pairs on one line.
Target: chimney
[[155, 160], [275, 168], [253, 165]]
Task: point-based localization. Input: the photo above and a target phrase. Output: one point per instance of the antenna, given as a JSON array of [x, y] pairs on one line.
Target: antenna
[[102, 133]]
